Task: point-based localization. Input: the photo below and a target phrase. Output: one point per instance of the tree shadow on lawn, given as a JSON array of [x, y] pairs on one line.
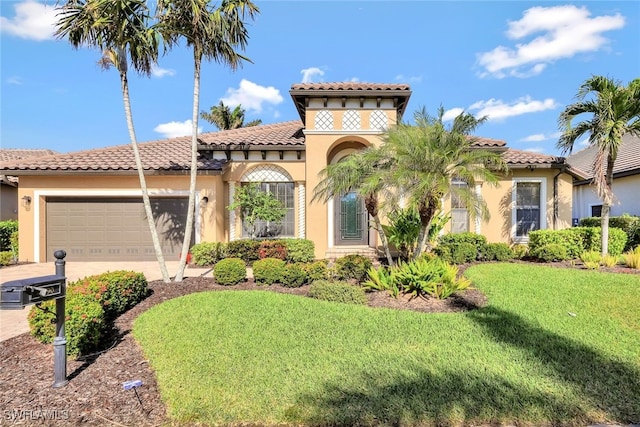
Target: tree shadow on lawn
[[604, 388]]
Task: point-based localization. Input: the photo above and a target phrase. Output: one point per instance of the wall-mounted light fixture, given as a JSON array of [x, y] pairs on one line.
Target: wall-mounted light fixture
[[204, 200], [26, 201]]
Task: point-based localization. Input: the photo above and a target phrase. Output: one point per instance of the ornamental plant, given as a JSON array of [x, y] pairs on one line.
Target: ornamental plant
[[257, 205]]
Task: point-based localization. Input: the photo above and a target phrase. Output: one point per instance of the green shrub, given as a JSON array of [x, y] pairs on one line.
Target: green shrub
[[115, 291], [551, 252], [208, 253], [520, 251], [632, 258], [230, 271], [245, 249], [628, 223], [84, 323], [268, 271], [352, 267], [572, 239], [6, 258], [497, 252], [457, 253], [295, 275], [272, 249], [432, 277], [478, 240], [337, 292], [7, 228], [590, 256], [593, 239], [299, 250], [317, 270], [609, 260], [382, 279], [592, 265]]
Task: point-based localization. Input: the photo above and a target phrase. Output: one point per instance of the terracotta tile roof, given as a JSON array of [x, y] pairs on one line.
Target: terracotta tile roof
[[479, 141], [627, 161], [344, 86], [164, 155], [521, 157], [21, 153], [286, 134]]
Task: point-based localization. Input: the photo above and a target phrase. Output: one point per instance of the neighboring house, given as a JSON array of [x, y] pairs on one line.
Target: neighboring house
[[9, 184], [89, 203], [626, 180]]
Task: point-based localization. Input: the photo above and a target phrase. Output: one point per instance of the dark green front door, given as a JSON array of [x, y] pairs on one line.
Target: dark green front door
[[351, 220]]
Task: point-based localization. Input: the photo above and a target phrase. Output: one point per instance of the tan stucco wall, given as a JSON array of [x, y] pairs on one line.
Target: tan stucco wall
[[33, 232]]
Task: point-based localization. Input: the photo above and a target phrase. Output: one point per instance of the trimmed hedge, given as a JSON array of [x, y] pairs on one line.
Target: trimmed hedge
[[629, 223], [268, 271], [230, 271], [7, 228], [91, 304], [300, 250], [457, 253], [290, 250], [208, 253], [295, 275], [497, 252], [337, 292], [577, 240], [272, 249], [352, 267]]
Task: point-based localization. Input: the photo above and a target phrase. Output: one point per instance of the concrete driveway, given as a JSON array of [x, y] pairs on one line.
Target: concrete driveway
[[14, 322]]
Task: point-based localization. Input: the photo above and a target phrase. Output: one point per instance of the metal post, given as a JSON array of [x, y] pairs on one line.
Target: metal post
[[60, 341]]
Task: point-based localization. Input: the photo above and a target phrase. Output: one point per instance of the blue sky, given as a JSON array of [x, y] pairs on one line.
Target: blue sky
[[518, 62]]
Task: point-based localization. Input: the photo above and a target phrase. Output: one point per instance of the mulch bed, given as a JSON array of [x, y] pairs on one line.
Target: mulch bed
[[95, 394]]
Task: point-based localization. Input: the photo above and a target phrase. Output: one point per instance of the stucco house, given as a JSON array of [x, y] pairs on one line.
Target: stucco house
[[626, 180], [9, 184], [89, 203]]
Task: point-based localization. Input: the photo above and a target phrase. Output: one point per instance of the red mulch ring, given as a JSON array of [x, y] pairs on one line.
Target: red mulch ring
[[95, 396]]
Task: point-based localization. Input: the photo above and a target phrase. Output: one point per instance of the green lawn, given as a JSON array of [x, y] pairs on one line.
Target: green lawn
[[554, 346]]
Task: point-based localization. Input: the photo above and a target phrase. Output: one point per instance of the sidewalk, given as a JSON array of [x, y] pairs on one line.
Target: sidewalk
[[14, 322]]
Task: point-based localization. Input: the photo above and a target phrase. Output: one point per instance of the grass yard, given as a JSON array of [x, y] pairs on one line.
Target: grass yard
[[554, 346]]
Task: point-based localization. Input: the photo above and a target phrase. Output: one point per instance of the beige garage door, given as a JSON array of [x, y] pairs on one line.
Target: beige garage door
[[101, 229]]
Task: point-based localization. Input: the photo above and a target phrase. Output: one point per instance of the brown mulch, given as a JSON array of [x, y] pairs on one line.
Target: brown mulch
[[95, 396]]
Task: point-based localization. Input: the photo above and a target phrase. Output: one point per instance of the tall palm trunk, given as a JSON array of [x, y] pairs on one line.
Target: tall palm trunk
[[197, 56], [371, 204], [606, 205], [426, 211], [143, 183]]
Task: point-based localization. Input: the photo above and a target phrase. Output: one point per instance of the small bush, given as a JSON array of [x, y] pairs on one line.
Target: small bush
[[295, 275], [497, 252], [84, 323], [115, 291], [272, 249], [317, 270], [382, 279], [352, 267], [7, 228], [572, 239], [337, 292], [628, 223], [208, 253], [457, 253], [245, 249], [551, 252], [268, 271], [520, 251], [609, 260], [590, 256], [230, 271], [477, 240], [299, 250], [6, 258], [591, 265], [435, 278]]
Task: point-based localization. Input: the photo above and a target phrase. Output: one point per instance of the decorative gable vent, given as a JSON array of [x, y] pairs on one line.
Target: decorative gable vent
[[351, 120], [378, 120], [324, 120]]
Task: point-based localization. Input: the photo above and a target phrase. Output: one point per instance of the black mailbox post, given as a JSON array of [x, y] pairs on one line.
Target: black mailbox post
[[17, 294]]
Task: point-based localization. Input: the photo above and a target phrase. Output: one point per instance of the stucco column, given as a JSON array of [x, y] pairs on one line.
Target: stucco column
[[302, 210], [232, 213]]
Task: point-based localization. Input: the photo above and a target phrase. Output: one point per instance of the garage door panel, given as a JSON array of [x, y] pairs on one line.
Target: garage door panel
[[102, 229]]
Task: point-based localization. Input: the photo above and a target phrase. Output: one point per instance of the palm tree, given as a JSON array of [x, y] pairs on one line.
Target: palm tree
[[423, 160], [224, 119], [213, 33], [357, 172], [120, 29], [614, 111]]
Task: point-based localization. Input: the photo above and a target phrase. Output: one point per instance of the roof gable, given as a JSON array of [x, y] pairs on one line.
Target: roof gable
[[627, 162]]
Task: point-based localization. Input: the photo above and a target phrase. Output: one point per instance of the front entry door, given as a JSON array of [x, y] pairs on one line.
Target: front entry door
[[351, 220]]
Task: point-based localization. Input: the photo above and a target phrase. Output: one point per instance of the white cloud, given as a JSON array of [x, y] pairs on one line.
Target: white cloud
[[175, 129], [310, 74], [535, 138], [496, 109], [32, 20], [410, 79], [161, 72], [562, 32], [252, 96], [452, 114], [14, 81]]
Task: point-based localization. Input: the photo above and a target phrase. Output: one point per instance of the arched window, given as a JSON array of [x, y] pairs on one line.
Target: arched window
[[324, 120], [278, 182], [351, 120]]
